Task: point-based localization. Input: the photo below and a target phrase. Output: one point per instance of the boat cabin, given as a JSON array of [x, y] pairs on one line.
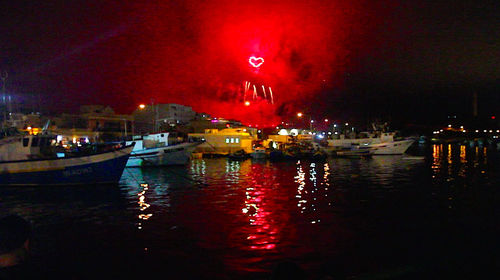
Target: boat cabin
[[27, 147]]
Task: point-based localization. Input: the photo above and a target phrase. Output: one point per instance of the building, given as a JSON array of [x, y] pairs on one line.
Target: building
[[95, 122], [155, 117], [225, 141]]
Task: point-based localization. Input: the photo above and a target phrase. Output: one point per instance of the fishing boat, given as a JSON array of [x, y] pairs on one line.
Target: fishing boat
[[36, 160], [155, 150], [382, 143]]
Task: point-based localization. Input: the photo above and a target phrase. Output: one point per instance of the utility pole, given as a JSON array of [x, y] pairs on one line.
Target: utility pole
[[154, 108]]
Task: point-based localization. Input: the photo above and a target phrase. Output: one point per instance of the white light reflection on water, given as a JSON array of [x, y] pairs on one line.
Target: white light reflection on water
[[309, 200]]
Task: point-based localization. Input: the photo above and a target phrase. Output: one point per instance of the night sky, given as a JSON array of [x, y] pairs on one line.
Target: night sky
[[403, 61]]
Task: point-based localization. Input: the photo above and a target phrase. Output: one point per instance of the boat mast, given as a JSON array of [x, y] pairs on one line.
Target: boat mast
[[4, 75]]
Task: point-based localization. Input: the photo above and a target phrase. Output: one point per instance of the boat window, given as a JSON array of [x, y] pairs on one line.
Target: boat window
[[25, 142], [34, 142], [232, 140], [237, 140], [227, 140]]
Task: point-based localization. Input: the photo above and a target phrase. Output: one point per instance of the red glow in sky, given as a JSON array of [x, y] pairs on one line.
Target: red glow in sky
[[305, 45]]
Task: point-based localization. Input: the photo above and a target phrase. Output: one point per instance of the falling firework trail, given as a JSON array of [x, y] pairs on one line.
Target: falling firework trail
[[247, 88], [271, 93], [264, 90], [254, 92]]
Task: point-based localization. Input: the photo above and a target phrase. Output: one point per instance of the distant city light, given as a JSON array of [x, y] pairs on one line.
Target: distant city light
[[299, 115], [247, 103], [142, 106]]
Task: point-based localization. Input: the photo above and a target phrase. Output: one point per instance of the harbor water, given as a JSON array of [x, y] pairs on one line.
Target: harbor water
[[387, 217]]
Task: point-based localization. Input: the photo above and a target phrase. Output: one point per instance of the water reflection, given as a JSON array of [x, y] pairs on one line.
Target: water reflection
[[312, 193], [451, 162], [263, 233], [231, 218], [147, 187]]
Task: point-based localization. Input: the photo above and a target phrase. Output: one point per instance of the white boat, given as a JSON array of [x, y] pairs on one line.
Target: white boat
[[382, 143], [34, 160], [155, 150]]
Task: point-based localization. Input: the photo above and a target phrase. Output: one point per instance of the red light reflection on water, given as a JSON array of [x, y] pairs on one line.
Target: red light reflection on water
[[264, 231]]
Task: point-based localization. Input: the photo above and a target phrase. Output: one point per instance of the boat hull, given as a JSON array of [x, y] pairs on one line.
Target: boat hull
[[100, 168], [392, 148], [354, 153], [383, 148], [169, 155]]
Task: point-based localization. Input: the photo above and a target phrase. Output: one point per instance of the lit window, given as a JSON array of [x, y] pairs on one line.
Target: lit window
[[227, 140], [237, 140], [232, 140]]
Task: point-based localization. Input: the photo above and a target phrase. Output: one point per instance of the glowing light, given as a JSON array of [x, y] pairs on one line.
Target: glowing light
[[142, 106], [283, 132], [256, 61], [247, 103], [299, 115]]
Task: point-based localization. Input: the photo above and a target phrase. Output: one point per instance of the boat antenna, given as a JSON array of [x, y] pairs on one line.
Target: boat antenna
[[46, 126], [3, 76]]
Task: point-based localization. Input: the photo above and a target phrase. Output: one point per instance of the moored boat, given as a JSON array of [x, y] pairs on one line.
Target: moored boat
[[34, 160], [155, 150], [383, 143]]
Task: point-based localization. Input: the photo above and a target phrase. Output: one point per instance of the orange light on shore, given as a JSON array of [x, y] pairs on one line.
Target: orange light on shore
[[247, 103], [299, 115], [142, 106]]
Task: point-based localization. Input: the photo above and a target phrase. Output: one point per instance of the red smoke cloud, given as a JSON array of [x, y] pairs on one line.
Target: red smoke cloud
[[199, 53]]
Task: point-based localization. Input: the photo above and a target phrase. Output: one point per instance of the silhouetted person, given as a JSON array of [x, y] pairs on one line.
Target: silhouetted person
[[14, 249]]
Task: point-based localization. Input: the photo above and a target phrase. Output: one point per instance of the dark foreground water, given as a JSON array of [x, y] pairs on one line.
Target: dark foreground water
[[388, 217]]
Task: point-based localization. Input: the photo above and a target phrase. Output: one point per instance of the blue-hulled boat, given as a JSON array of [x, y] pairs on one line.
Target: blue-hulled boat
[[34, 160]]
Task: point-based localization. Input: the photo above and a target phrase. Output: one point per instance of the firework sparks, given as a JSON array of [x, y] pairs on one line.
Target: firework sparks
[[271, 94], [256, 61]]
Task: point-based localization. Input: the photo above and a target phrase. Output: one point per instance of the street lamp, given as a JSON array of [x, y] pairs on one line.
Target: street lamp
[[300, 114]]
